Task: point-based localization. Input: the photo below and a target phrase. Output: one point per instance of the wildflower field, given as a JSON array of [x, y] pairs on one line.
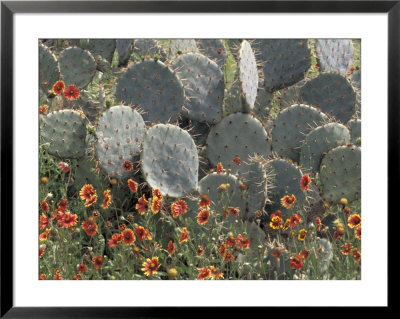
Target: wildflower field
[[199, 159]]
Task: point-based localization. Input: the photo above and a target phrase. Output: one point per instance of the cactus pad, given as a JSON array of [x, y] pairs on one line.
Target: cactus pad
[[149, 47], [204, 87], [65, 131], [340, 174], [335, 55], [119, 136], [49, 72], [179, 46], [248, 74], [355, 129], [124, 49], [154, 88], [103, 47], [169, 160], [213, 49]]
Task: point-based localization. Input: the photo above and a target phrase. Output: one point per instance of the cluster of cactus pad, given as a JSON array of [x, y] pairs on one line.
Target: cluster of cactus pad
[[173, 109]]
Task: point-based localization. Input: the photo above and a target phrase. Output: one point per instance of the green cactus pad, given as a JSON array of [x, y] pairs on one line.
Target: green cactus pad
[[124, 49], [319, 141], [248, 75], [290, 127], [291, 95], [49, 72], [331, 93], [281, 267], [181, 46], [213, 49], [154, 88], [169, 160], [335, 55], [340, 174], [146, 47], [103, 47], [77, 67], [239, 135], [89, 104], [119, 137], [324, 254], [355, 129], [65, 133], [285, 61], [284, 178], [204, 87]]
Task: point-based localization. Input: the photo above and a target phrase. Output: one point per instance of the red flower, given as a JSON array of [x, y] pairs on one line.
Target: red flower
[[142, 233], [203, 216], [90, 226], [222, 250], [200, 251], [127, 166], [276, 222], [45, 207], [354, 221], [98, 262], [242, 241], [296, 262], [150, 266], [178, 208], [228, 256], [64, 167], [72, 92], [155, 205], [357, 232], [305, 182], [318, 221], [288, 201], [204, 201], [294, 220], [58, 87], [82, 268], [142, 205], [237, 161], [346, 248], [184, 235], [89, 194], [204, 273], [157, 193], [41, 250], [133, 186], [43, 221], [45, 235], [302, 234], [43, 109], [115, 240], [232, 210], [230, 241], [69, 219], [107, 199], [171, 247], [128, 237], [77, 277], [62, 204], [215, 274], [356, 254], [276, 253], [219, 168], [42, 277], [305, 253]]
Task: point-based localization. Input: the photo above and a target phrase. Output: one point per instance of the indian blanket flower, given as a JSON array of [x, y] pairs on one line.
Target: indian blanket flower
[[155, 205], [318, 222], [115, 240], [90, 226], [150, 266], [69, 219], [288, 201], [58, 87], [200, 250], [302, 234], [77, 277], [286, 225], [171, 247], [107, 199], [63, 204], [237, 161], [128, 237], [81, 267], [234, 211], [204, 201], [276, 253], [294, 220], [45, 206], [133, 186], [276, 222], [228, 256], [339, 231], [296, 262], [64, 167], [98, 261], [72, 92], [184, 235], [354, 221], [142, 233], [242, 241], [230, 241], [215, 274], [43, 221], [178, 208], [88, 194], [357, 232], [219, 168], [43, 108], [356, 254], [204, 273], [203, 216], [305, 182], [305, 253], [127, 166], [346, 248], [45, 235], [222, 250], [157, 193], [57, 275], [42, 277], [42, 248], [142, 205]]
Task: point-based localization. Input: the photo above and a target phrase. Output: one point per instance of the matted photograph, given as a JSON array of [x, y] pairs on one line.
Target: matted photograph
[[199, 159]]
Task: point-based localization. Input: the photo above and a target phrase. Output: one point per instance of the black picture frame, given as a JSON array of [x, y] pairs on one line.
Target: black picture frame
[[9, 8]]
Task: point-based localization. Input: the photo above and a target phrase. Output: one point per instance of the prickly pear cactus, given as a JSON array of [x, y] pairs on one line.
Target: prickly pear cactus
[[263, 104], [181, 46], [153, 88], [335, 55], [65, 133], [291, 95], [284, 178], [49, 72], [285, 61], [290, 127], [331, 93], [103, 47], [149, 47], [324, 254], [355, 129], [237, 136], [213, 49], [119, 137], [248, 75], [124, 49], [319, 141], [279, 266], [204, 87], [169, 160], [77, 66], [89, 104], [340, 173]]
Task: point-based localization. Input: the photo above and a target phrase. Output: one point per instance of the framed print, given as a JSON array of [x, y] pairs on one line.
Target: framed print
[[177, 151]]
